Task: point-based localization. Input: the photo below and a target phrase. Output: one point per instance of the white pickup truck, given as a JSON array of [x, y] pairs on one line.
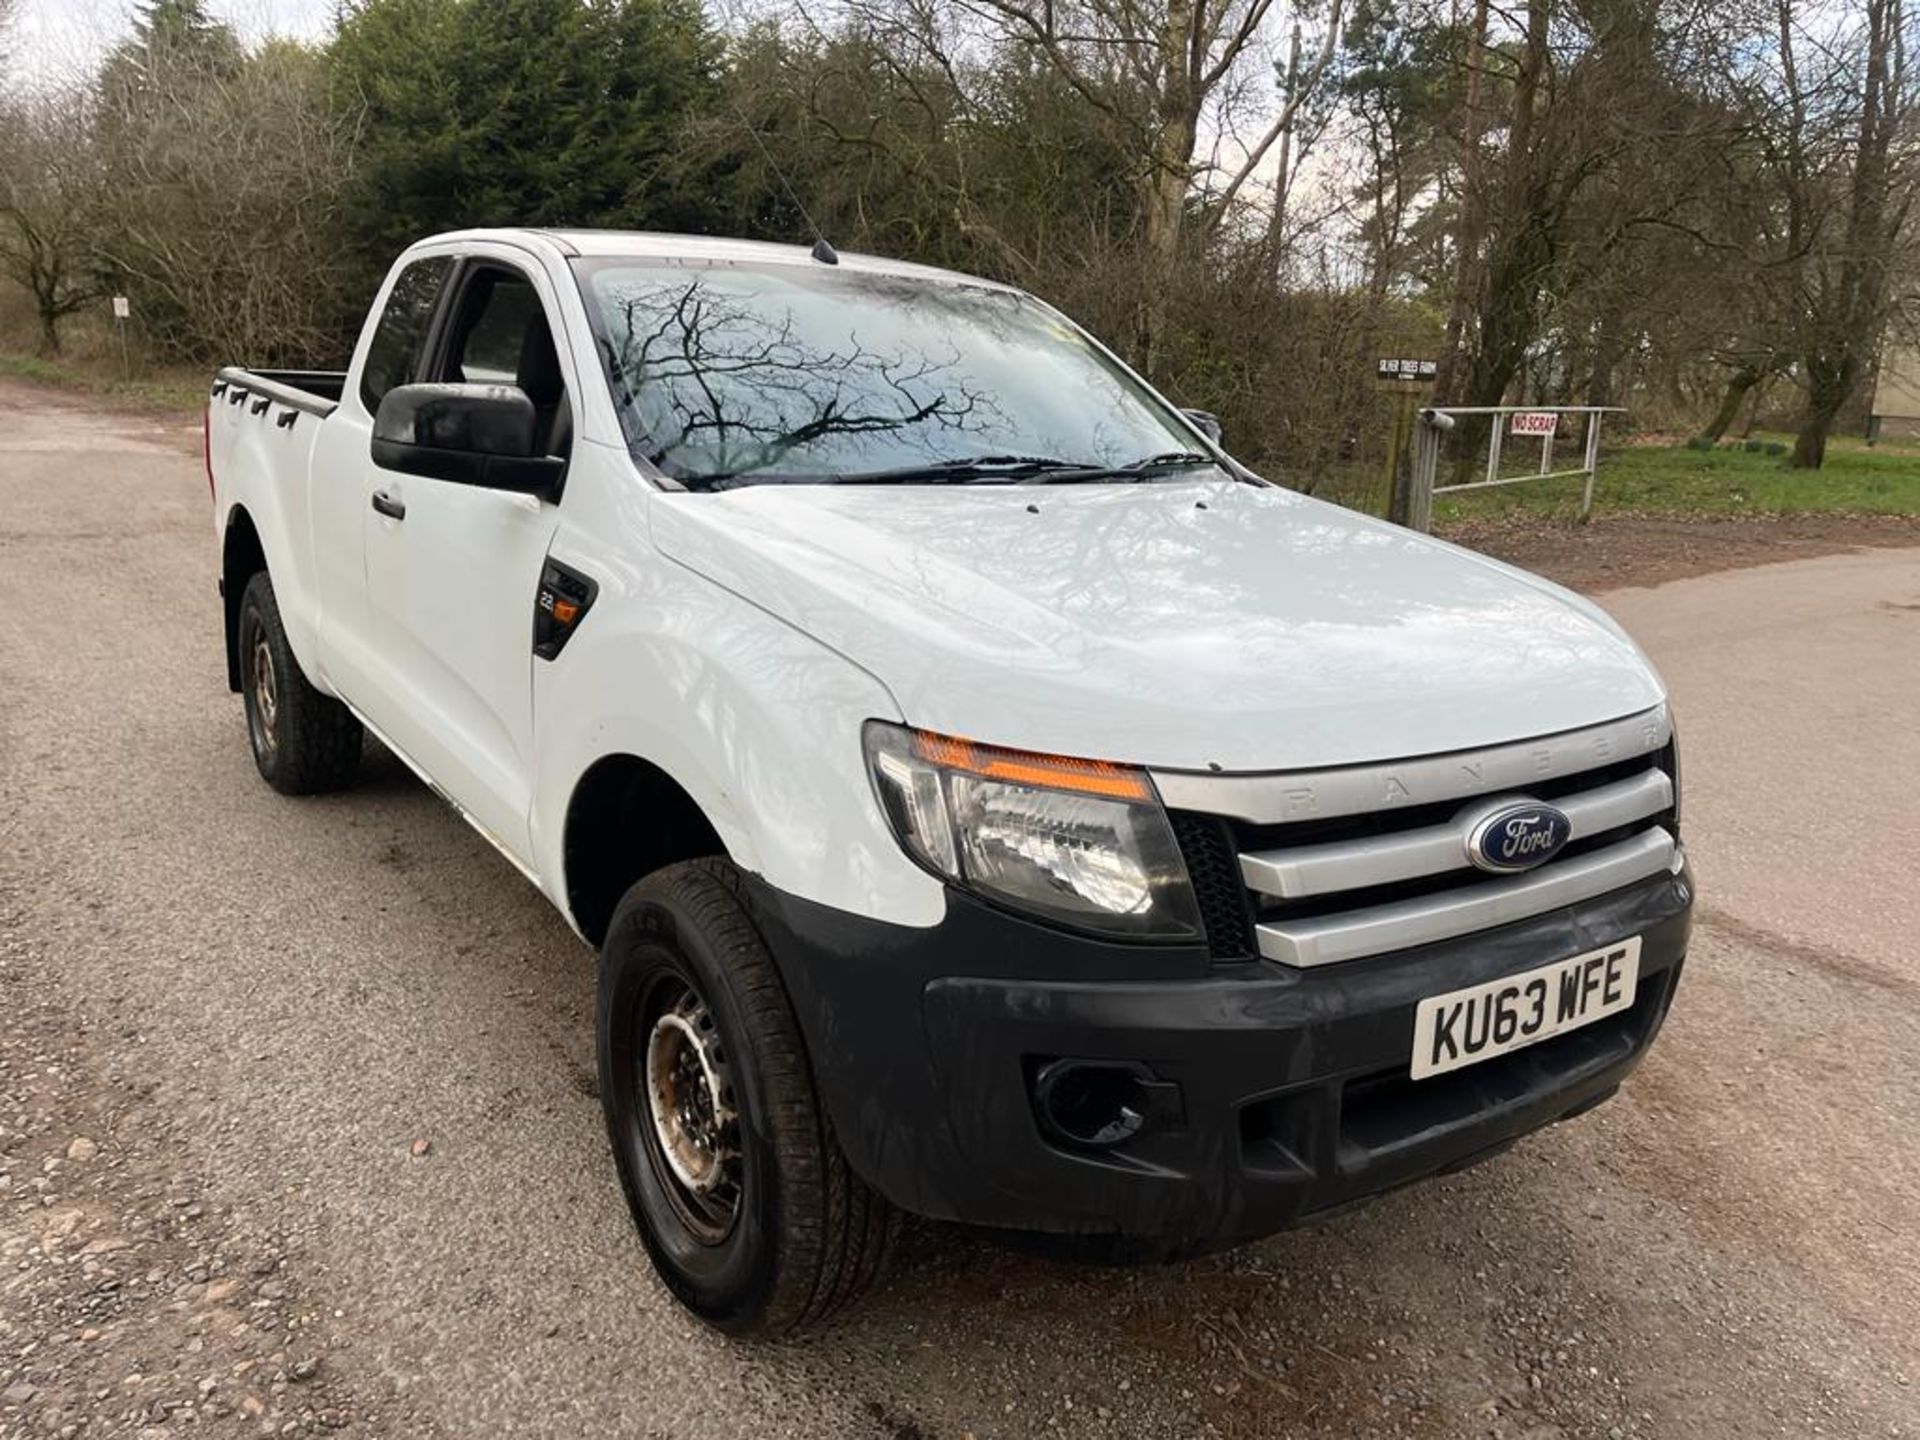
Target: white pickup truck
[[989, 800]]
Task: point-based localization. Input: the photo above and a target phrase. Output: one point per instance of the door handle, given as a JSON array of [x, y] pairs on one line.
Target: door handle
[[390, 505]]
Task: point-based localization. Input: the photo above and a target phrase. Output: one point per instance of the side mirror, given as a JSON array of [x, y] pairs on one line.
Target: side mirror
[[468, 434], [1206, 422]]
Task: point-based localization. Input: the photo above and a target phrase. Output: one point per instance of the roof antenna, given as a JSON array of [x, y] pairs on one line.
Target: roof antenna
[[822, 250]]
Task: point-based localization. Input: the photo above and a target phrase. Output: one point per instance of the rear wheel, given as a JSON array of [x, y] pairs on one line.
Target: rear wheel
[[729, 1164], [304, 742]]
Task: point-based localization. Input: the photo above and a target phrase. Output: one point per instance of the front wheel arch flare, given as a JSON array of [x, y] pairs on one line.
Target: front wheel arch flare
[[626, 818]]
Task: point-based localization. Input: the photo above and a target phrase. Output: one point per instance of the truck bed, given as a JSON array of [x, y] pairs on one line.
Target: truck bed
[[315, 392]]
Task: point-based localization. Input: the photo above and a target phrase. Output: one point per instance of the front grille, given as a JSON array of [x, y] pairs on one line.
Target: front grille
[[1208, 846], [1335, 878], [1369, 823]]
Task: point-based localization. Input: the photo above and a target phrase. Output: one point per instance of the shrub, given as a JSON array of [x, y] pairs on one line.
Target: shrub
[[1700, 442]]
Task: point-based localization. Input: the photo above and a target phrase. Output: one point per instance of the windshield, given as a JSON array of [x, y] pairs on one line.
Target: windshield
[[736, 375]]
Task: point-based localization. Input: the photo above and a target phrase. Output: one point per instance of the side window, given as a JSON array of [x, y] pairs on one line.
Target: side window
[[500, 336], [402, 331], [493, 328]]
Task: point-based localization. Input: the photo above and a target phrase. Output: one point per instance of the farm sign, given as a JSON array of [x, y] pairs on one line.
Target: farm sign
[[1395, 371]]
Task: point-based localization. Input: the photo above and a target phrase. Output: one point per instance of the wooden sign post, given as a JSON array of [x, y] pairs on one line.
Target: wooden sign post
[[1412, 381], [121, 311]]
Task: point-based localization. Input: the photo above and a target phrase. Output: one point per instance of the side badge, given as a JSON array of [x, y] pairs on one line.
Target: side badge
[[561, 603]]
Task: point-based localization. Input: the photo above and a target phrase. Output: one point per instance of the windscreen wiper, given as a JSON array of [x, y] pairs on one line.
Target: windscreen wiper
[[1151, 468], [972, 468]]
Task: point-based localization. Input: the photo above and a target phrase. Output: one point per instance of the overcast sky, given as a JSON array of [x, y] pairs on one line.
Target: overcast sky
[[57, 38]]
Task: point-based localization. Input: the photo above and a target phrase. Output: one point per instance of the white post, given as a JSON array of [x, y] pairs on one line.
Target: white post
[[1591, 462], [1426, 463], [121, 310]]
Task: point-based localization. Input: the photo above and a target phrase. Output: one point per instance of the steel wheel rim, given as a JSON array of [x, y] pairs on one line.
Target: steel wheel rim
[[266, 695], [693, 1121]]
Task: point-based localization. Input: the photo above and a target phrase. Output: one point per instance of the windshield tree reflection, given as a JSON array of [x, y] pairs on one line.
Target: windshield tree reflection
[[732, 375]]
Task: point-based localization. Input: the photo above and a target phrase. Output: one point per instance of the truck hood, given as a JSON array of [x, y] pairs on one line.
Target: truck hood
[[1182, 625]]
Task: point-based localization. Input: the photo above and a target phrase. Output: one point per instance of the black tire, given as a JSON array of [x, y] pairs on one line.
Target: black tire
[[804, 1236], [304, 742]]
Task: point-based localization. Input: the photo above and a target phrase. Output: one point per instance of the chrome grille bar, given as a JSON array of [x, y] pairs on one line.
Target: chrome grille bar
[[1281, 798], [1401, 924], [1301, 871]]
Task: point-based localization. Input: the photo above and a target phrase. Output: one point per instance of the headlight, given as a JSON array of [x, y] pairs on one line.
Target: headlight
[[1081, 842]]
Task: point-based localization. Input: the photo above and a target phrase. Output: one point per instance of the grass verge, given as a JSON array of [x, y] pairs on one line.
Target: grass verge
[[1729, 480], [1662, 477], [179, 392]]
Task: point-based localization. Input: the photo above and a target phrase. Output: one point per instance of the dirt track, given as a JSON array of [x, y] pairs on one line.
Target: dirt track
[[226, 1017], [1616, 551]]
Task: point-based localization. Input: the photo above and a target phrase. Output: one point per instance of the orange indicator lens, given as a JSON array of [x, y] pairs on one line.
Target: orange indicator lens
[[1023, 767]]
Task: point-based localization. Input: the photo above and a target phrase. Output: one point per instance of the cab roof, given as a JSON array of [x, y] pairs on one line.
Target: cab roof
[[659, 245]]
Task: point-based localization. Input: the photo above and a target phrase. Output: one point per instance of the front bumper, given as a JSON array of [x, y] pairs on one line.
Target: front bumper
[[1280, 1094]]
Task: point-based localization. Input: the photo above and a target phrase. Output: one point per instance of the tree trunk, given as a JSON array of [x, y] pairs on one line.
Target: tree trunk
[[1810, 444], [1827, 391], [1848, 330], [1283, 180], [1466, 238], [1163, 186], [1741, 382], [1753, 407], [49, 325], [1165, 202], [1520, 252], [1607, 349]]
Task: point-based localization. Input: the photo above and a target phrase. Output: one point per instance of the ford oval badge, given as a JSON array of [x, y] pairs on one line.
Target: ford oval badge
[[1518, 837]]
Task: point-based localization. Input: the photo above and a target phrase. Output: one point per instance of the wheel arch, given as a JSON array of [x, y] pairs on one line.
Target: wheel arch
[[242, 556], [626, 817]]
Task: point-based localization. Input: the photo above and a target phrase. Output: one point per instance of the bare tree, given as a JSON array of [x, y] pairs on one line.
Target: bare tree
[[1851, 181], [227, 183], [1151, 69], [1298, 88], [50, 191], [1469, 225]]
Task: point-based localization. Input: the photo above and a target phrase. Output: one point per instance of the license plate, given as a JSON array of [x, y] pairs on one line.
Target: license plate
[[1464, 1027]]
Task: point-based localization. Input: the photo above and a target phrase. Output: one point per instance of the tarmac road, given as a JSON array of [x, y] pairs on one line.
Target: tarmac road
[[227, 1017]]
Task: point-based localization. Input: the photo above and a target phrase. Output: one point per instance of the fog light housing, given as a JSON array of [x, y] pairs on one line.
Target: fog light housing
[[1101, 1104]]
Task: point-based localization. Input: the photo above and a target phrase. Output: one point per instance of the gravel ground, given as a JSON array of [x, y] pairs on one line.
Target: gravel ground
[[298, 1130]]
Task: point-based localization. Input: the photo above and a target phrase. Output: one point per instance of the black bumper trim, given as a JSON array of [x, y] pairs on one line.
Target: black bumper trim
[[1293, 1084]]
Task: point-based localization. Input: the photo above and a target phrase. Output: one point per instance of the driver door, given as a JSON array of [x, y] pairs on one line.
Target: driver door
[[452, 570]]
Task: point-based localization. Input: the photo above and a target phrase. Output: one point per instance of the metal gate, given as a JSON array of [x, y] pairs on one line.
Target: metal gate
[[1436, 420]]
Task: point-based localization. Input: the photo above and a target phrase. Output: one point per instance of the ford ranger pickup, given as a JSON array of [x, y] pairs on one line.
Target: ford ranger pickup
[[988, 799]]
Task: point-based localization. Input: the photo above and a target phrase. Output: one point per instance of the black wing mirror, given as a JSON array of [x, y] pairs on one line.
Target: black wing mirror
[[1206, 422], [468, 434]]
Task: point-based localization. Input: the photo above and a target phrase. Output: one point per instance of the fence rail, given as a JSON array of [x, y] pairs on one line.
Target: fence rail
[[1436, 420]]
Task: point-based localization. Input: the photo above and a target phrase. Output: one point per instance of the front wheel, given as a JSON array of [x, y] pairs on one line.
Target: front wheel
[[729, 1164]]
